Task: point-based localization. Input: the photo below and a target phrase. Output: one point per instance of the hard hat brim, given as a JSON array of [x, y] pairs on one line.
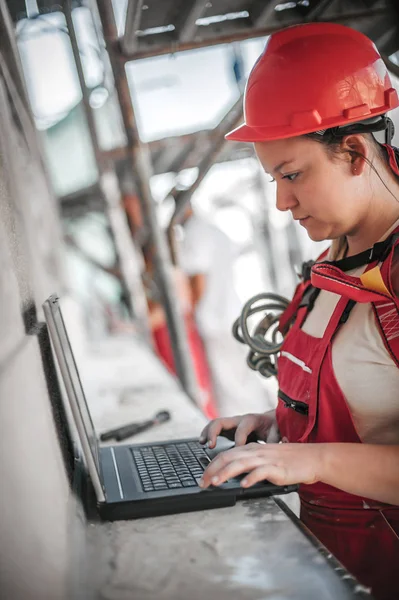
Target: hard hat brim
[[243, 133]]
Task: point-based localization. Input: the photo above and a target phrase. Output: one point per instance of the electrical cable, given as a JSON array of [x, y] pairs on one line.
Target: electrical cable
[[263, 343]]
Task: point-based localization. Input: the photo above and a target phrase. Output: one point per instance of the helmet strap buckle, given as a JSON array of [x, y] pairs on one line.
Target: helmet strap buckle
[[390, 131]]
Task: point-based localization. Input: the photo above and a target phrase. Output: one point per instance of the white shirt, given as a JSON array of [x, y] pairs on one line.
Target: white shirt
[[206, 250]]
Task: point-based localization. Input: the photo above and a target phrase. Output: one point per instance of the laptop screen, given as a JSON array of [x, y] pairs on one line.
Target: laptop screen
[[73, 385]]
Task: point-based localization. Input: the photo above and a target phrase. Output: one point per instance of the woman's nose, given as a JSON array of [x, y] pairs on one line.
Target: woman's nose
[[285, 199]]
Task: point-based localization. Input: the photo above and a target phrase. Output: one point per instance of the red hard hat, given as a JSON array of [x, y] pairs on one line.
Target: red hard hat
[[313, 77]]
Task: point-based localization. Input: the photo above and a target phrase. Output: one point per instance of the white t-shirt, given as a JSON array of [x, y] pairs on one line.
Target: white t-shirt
[[206, 250], [364, 369]]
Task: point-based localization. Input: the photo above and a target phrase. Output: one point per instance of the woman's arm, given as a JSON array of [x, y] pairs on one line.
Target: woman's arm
[[198, 286], [371, 471], [365, 470]]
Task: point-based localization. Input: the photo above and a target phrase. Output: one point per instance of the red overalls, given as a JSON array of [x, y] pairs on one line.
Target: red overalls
[[361, 533]]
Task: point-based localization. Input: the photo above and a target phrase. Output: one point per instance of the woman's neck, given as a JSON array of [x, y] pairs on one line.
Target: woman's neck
[[377, 223], [377, 232]]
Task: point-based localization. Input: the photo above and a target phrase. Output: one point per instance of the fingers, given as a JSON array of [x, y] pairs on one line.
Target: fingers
[[220, 466], [281, 464], [244, 428], [232, 469], [244, 424], [213, 429], [273, 435], [274, 473], [258, 462]]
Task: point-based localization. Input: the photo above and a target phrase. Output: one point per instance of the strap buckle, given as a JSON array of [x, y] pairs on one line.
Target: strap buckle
[[306, 269]]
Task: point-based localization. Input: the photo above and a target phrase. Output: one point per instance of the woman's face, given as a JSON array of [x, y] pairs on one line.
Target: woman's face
[[321, 191]]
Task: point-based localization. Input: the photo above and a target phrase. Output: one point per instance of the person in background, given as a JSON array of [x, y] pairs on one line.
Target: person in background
[[313, 102], [160, 333], [156, 313], [207, 255]]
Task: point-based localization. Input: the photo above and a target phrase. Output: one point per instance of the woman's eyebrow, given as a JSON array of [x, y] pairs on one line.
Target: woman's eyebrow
[[285, 162]]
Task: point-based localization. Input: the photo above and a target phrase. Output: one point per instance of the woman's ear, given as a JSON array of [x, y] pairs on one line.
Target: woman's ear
[[357, 151]]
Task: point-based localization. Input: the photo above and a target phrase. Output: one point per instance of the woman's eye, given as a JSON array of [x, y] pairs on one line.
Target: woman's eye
[[290, 176], [271, 180]]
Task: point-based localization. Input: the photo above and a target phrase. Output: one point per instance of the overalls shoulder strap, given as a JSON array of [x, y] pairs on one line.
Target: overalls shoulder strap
[[304, 296], [374, 286], [387, 312]]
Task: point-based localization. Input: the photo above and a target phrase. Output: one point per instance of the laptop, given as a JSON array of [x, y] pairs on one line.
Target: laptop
[[142, 480]]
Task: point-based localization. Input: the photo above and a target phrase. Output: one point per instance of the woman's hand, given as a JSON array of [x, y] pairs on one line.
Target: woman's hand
[[282, 464], [260, 424]]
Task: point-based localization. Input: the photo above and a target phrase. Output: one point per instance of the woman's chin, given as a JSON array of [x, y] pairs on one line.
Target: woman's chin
[[316, 230], [316, 234], [316, 238]]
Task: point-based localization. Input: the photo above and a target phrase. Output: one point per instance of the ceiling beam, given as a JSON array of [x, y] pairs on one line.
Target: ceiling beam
[[386, 38], [129, 41], [189, 27], [82, 201], [231, 120], [183, 152], [264, 17], [314, 13], [247, 34]]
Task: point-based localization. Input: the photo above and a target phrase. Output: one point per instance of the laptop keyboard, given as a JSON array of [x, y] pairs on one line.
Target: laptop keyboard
[[171, 466]]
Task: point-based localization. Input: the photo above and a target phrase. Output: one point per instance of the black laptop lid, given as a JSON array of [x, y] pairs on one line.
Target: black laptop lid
[[74, 390]]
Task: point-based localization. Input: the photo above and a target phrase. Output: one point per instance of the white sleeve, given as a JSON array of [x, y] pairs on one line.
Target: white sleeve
[[195, 252]]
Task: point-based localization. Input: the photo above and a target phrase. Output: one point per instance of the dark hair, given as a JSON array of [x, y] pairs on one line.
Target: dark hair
[[333, 137], [333, 142]]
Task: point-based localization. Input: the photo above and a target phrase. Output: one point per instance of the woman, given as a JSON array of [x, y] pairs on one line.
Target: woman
[[312, 103]]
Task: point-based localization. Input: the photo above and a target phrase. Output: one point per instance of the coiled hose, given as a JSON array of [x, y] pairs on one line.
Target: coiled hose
[[263, 343]]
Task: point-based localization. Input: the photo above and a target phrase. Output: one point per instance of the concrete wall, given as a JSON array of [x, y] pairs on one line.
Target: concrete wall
[[41, 524]]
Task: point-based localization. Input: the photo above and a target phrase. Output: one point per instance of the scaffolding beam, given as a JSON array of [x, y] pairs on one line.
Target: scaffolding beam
[[123, 244], [141, 165], [247, 33], [129, 41], [229, 122], [189, 27]]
